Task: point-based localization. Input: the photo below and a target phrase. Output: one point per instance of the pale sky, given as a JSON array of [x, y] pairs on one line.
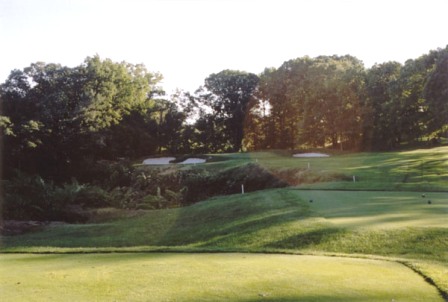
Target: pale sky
[[187, 40]]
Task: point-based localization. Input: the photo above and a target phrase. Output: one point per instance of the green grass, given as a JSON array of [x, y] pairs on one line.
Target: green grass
[[397, 225], [381, 216], [381, 223], [207, 277], [417, 170]]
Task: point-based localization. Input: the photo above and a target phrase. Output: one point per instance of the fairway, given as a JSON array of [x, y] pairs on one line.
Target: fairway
[[383, 234], [207, 277], [378, 210]]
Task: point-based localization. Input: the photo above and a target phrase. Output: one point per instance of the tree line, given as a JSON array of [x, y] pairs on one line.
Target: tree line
[[56, 120], [335, 101]]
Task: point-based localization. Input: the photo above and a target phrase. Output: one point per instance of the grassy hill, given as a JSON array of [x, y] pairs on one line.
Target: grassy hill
[[376, 219], [414, 170], [397, 225]]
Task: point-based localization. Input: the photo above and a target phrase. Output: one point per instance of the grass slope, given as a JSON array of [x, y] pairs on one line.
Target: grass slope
[[397, 224], [382, 223], [417, 170], [388, 224], [207, 277]]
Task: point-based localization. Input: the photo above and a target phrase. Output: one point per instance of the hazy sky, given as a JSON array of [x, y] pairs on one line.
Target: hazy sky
[[187, 40]]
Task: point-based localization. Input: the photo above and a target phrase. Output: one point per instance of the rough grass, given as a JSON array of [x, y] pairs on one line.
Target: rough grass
[[207, 277]]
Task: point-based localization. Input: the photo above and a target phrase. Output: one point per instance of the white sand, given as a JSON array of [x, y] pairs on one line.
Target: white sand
[[158, 161], [311, 155], [193, 161], [166, 161]]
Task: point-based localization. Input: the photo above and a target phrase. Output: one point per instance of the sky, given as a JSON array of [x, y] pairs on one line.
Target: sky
[[187, 40]]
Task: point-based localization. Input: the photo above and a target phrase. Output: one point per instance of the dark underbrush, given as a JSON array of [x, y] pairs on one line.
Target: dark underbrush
[[120, 185]]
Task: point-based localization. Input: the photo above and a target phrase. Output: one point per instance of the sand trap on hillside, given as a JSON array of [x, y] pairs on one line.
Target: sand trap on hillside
[[311, 155], [193, 161], [167, 160], [158, 161]]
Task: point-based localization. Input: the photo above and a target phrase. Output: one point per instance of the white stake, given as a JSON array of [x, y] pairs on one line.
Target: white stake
[[354, 178], [242, 189]]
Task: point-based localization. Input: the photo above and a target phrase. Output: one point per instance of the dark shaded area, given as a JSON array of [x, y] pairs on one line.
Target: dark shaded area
[[252, 176], [308, 238]]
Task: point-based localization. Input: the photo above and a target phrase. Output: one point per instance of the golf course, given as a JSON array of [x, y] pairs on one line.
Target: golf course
[[355, 227], [224, 151]]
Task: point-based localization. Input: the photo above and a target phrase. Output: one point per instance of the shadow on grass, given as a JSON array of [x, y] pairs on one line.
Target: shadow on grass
[[226, 221], [307, 239]]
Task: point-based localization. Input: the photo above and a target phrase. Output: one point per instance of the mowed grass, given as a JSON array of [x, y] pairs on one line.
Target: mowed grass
[[416, 170], [398, 225], [207, 277], [380, 223], [383, 216]]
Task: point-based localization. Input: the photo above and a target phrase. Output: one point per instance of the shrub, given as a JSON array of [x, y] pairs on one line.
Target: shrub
[[92, 196], [30, 197], [150, 202], [203, 185]]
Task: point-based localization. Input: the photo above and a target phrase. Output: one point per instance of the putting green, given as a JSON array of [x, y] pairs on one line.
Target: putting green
[[207, 277]]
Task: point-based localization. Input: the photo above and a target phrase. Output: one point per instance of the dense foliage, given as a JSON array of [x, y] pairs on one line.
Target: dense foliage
[[334, 101], [59, 125]]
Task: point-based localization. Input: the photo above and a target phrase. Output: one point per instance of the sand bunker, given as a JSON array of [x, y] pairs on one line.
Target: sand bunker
[[311, 155], [158, 161], [193, 161], [167, 161]]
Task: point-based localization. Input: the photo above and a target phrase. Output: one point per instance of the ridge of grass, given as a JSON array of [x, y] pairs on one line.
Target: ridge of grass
[[399, 225]]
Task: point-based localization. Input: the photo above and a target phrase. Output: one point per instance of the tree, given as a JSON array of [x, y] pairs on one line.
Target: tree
[[113, 90], [60, 115], [228, 94], [381, 120], [436, 94], [313, 101], [414, 114]]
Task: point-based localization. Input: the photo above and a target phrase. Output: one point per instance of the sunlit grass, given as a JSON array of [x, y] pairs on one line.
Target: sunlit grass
[[369, 222], [207, 277], [418, 170]]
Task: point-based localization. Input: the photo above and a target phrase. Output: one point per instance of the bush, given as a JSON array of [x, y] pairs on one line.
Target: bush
[[30, 197], [203, 185], [297, 176], [92, 196], [27, 197], [106, 174], [150, 202]]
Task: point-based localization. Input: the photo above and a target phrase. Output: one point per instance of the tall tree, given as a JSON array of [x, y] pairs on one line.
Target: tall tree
[[314, 101], [436, 94], [60, 114], [231, 92], [381, 120]]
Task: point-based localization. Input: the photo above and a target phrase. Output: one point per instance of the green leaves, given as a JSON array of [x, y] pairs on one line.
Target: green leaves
[[313, 101], [113, 90], [228, 95], [51, 112]]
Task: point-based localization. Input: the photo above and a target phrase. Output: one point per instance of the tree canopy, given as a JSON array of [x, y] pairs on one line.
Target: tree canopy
[[54, 117]]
